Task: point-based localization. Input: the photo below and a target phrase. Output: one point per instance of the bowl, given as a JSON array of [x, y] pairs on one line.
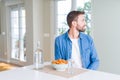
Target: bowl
[[60, 67]]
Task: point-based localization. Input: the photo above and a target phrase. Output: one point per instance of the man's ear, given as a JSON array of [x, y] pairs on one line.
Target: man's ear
[[74, 23]]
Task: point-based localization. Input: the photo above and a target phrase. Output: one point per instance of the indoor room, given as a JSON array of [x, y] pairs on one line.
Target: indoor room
[[26, 25]]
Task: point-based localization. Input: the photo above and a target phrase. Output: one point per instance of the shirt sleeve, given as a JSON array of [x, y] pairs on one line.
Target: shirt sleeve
[[94, 58], [57, 49]]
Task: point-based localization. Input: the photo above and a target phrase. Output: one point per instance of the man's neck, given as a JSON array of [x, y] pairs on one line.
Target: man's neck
[[73, 33]]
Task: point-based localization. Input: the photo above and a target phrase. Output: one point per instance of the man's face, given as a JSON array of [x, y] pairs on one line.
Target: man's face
[[81, 24]]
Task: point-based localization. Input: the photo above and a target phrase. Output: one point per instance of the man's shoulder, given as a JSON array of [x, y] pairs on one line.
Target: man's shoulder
[[85, 36], [62, 36]]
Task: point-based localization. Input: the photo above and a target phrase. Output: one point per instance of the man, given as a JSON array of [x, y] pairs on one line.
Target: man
[[76, 45]]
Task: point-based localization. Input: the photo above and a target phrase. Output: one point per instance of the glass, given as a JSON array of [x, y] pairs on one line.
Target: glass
[[38, 57], [70, 66]]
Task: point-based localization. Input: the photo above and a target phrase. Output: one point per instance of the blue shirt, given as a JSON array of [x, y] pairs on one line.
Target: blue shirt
[[89, 57]]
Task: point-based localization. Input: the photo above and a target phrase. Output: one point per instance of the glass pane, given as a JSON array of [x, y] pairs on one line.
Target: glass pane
[[22, 36], [61, 21], [15, 33], [63, 8], [22, 18], [22, 51], [15, 49], [23, 22], [22, 45], [14, 14], [80, 3], [14, 19]]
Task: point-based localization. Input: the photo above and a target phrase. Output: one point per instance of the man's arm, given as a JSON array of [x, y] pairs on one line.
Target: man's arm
[[94, 58], [57, 49]]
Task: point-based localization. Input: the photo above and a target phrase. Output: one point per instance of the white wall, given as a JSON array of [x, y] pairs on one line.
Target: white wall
[[38, 21], [0, 17], [106, 24], [3, 25], [38, 27]]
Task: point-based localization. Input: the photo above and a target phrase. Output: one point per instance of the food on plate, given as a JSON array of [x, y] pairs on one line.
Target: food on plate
[[59, 61]]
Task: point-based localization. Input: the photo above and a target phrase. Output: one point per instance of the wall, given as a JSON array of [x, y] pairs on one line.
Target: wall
[[106, 25], [3, 40], [38, 27], [38, 21], [0, 17], [0, 23], [46, 30]]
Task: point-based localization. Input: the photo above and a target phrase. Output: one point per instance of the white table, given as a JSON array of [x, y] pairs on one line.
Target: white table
[[28, 74]]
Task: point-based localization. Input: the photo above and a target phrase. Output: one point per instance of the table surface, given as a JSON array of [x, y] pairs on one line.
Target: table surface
[[27, 73]]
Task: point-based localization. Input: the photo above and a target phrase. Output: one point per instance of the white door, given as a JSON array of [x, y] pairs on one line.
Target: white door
[[17, 35]]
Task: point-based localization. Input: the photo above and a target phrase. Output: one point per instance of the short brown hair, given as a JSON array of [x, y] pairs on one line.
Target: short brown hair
[[73, 16]]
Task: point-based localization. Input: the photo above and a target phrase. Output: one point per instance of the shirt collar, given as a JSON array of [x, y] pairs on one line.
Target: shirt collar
[[67, 35]]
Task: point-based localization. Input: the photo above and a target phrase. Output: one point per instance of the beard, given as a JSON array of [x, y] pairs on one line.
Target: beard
[[82, 29]]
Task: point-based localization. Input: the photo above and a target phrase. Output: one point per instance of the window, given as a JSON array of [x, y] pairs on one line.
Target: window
[[17, 30], [65, 6]]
